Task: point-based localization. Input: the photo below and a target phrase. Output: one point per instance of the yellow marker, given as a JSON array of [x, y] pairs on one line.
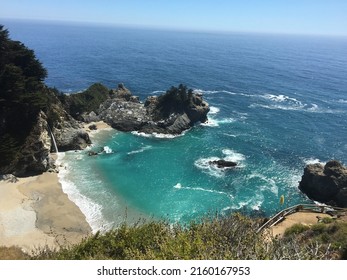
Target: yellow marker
[[282, 199]]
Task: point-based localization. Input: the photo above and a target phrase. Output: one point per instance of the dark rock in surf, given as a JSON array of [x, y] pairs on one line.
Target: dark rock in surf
[[326, 184], [223, 163]]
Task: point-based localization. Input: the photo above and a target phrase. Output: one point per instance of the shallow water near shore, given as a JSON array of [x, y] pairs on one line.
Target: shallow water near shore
[[277, 103]]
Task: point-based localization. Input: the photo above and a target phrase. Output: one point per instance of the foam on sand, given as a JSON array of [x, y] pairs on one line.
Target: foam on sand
[[90, 209]]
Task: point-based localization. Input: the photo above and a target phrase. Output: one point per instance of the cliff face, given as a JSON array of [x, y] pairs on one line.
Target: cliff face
[[26, 140], [326, 184], [34, 156], [27, 109]]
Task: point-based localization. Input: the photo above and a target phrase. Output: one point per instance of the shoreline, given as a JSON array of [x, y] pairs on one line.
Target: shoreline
[[36, 213], [92, 209]]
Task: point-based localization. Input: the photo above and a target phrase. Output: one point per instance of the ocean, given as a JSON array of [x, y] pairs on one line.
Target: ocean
[[278, 102]]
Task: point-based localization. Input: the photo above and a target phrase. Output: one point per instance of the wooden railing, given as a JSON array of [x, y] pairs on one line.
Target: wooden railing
[[301, 207]]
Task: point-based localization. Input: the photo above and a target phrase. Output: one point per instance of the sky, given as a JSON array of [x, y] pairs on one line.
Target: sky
[[325, 17]]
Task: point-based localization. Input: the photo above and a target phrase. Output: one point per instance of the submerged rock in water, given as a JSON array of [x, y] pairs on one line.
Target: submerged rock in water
[[326, 184], [221, 163]]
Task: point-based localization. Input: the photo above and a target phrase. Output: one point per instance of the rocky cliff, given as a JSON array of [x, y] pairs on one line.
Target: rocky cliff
[[26, 139], [29, 111], [326, 184]]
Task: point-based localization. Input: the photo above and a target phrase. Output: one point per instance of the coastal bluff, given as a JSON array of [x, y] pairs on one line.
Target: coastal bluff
[[326, 183]]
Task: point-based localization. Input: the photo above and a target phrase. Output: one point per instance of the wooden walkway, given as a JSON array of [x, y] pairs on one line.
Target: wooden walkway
[[280, 216]]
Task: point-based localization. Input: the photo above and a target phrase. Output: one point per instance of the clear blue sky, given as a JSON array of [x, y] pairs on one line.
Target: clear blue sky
[[275, 16]]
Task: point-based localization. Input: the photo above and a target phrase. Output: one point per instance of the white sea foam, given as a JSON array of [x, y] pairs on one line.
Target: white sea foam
[[342, 101], [213, 110], [157, 135], [202, 92], [213, 170], [207, 92], [281, 98], [141, 150], [91, 210], [286, 103], [269, 183], [108, 150], [312, 161], [157, 92], [230, 135], [231, 155], [179, 186], [213, 122]]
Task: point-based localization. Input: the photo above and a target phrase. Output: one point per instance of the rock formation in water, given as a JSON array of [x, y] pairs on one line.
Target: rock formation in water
[[171, 113], [326, 184], [221, 163]]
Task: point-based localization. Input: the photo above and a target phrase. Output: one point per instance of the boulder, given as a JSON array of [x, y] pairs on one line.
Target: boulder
[[221, 163], [89, 117], [123, 93], [326, 184], [70, 138]]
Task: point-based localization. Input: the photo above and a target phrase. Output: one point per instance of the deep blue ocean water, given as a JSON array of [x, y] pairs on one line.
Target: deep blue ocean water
[[277, 103]]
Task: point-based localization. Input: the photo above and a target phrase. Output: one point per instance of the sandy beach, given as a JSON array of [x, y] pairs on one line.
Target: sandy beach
[[98, 125], [35, 212]]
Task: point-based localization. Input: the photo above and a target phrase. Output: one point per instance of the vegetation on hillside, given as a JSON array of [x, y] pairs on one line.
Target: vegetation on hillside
[[20, 70], [86, 101], [176, 99], [22, 95], [232, 237]]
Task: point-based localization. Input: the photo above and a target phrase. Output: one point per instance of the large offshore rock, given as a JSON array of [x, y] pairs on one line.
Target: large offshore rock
[[326, 184], [170, 113]]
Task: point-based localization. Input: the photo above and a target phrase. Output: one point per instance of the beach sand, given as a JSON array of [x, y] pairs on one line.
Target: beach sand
[[99, 126], [35, 212]]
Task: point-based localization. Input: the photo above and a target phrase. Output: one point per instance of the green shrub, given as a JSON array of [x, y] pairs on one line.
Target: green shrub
[[296, 229]]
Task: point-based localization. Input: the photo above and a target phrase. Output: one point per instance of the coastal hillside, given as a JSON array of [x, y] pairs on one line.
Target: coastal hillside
[[29, 111]]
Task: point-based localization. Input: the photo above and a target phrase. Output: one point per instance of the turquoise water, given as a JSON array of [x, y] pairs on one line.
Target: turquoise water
[[277, 103]]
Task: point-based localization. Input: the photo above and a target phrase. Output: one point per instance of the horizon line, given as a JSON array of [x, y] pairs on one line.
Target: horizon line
[[169, 28]]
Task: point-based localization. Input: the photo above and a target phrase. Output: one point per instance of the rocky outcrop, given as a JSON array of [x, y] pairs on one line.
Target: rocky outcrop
[[69, 136], [326, 184], [34, 156], [122, 114], [171, 113], [221, 163]]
